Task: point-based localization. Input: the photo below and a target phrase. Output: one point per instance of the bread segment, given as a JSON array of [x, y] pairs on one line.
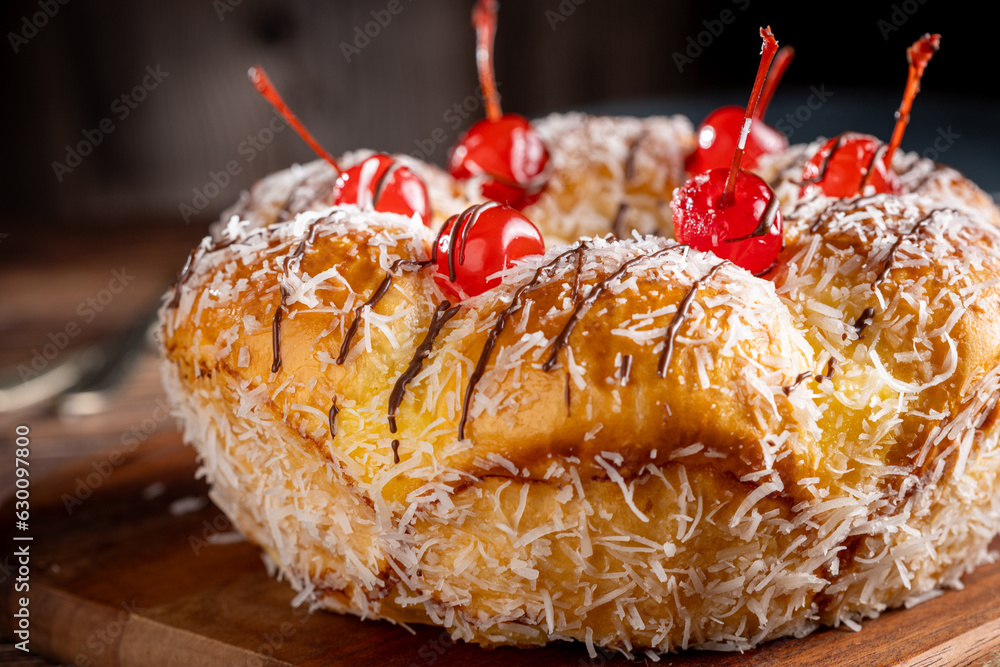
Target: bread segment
[[661, 451]]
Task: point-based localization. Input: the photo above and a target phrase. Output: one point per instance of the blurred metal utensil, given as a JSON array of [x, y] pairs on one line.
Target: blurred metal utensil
[[17, 393], [82, 383]]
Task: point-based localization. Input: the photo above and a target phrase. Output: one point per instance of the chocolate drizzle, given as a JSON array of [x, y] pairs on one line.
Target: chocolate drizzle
[[493, 336], [633, 151], [914, 232], [824, 166], [575, 294], [863, 320], [334, 411], [442, 314], [625, 371], [470, 223], [461, 224], [840, 206], [276, 330], [395, 451], [182, 277], [221, 244], [453, 221], [453, 227], [766, 220], [799, 379], [276, 340], [679, 316], [197, 253], [383, 182], [825, 163], [567, 394], [831, 368], [770, 267], [292, 192], [866, 315], [561, 340], [618, 229], [372, 301], [304, 244], [871, 163], [285, 209], [297, 254]]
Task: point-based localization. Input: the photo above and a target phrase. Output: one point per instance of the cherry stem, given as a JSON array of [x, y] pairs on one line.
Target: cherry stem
[[263, 84], [766, 55], [781, 62], [484, 19], [917, 56]]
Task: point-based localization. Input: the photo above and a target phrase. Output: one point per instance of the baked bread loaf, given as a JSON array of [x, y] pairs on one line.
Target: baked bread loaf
[[608, 174], [628, 443], [917, 175]]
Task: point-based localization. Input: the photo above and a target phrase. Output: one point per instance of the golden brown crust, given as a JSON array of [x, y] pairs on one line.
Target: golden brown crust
[[753, 491], [644, 418], [918, 176], [610, 175]]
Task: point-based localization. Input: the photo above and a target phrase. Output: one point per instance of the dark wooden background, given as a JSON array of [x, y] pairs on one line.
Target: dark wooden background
[[551, 55]]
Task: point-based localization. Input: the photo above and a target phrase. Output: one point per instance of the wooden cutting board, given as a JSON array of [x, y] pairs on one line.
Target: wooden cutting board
[[129, 579]]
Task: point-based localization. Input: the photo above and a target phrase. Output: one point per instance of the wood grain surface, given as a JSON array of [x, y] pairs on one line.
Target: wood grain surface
[[145, 571]]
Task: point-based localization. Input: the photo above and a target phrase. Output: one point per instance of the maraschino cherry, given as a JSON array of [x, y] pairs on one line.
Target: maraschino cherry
[[732, 212], [854, 164], [502, 148], [848, 165], [379, 182], [719, 132], [480, 242]]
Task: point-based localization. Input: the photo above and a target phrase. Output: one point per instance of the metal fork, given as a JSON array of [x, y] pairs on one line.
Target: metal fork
[[82, 383]]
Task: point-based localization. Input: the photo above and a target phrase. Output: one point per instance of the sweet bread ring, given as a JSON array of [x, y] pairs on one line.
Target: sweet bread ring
[[309, 187], [610, 174], [917, 175], [756, 490], [607, 174]]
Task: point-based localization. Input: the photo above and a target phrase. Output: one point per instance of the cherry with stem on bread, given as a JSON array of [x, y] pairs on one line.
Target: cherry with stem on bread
[[849, 165], [503, 149], [379, 182], [854, 164], [383, 183], [480, 242], [732, 212], [720, 131]]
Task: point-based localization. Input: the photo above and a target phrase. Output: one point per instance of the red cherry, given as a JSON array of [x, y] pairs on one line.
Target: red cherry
[[717, 137], [855, 164], [849, 165], [731, 212], [918, 55], [385, 184], [719, 133], [480, 242], [382, 183], [509, 153], [503, 148], [748, 233]]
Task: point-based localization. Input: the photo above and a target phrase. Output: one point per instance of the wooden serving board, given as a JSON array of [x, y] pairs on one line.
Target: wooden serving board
[[124, 581]]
